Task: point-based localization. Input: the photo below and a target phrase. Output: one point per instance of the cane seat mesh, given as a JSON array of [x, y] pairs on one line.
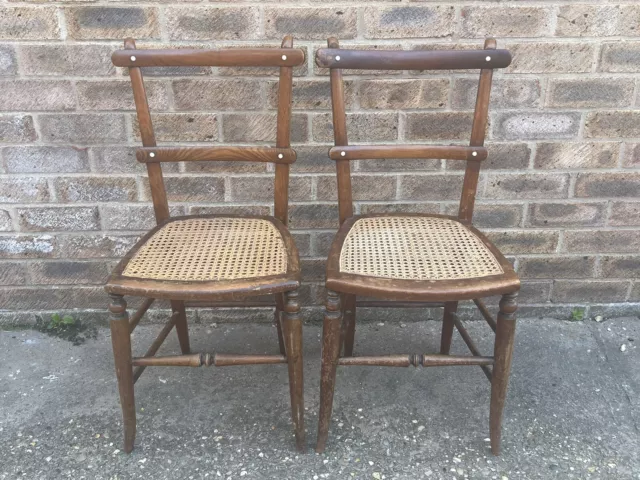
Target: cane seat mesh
[[210, 249], [415, 248]]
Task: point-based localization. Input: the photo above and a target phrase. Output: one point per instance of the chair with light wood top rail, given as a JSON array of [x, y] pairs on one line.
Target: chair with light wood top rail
[[414, 260], [209, 260]]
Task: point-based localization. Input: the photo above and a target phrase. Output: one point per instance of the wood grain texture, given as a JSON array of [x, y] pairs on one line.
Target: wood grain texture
[[365, 152], [216, 154], [416, 360]]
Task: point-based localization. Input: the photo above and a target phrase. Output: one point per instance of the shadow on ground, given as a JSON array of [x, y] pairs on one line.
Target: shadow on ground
[[572, 410]]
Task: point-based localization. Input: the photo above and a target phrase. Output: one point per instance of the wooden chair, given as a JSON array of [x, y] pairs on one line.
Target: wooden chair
[[410, 259], [209, 258]]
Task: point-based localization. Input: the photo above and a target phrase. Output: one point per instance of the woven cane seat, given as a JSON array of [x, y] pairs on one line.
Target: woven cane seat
[[210, 249], [416, 248]]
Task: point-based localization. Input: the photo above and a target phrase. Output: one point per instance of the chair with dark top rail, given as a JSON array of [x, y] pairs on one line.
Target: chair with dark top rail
[[414, 260], [212, 260]]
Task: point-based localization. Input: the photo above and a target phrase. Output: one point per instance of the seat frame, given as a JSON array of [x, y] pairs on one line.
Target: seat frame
[[235, 293], [344, 288]]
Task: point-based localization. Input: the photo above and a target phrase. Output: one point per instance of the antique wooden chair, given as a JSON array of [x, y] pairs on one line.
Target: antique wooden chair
[[209, 258], [418, 260]]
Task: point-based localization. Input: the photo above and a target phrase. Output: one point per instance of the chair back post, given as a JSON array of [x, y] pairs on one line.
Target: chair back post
[[343, 168], [283, 138], [154, 170], [478, 130]]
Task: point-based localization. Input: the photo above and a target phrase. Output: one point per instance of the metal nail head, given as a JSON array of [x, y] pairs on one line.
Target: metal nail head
[[342, 154], [337, 58], [284, 57], [280, 155], [133, 58], [475, 154], [152, 154], [488, 59]]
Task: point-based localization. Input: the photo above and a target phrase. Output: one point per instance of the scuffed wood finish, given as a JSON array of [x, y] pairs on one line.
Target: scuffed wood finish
[[503, 351], [188, 57], [382, 291], [209, 293], [370, 152], [330, 354], [410, 59], [216, 154], [121, 342]]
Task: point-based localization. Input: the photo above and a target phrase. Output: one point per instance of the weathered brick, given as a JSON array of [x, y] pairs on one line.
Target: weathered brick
[[82, 129], [399, 94], [117, 160], [68, 272], [568, 291], [524, 241], [634, 296], [620, 57], [27, 246], [312, 216], [212, 23], [395, 165], [492, 215], [29, 23], [612, 124], [505, 93], [598, 21], [313, 270], [8, 61], [502, 156], [194, 189], [217, 94], [118, 95], [631, 157], [261, 127], [566, 214], [17, 128], [624, 214], [225, 167], [322, 243], [608, 185], [438, 125], [91, 245], [5, 221], [38, 298], [480, 22], [310, 23], [33, 159], [364, 187], [553, 267], [602, 241], [40, 219], [311, 94], [535, 125], [534, 291], [182, 127], [409, 21], [525, 185], [76, 60], [590, 92], [95, 189], [132, 217], [430, 187], [567, 155], [551, 57], [230, 209], [257, 189], [312, 159], [413, 207], [13, 273], [625, 266], [84, 23], [362, 127], [37, 95], [23, 190]]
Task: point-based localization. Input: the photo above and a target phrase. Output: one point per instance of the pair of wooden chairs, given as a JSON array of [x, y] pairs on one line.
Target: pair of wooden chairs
[[417, 260]]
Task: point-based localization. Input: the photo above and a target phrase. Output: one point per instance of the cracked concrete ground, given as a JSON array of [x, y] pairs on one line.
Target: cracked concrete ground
[[572, 409]]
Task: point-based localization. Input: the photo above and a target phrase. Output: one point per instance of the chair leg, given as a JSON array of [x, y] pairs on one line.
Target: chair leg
[[181, 325], [503, 350], [349, 324], [121, 341], [330, 354], [447, 327], [278, 321], [292, 329]]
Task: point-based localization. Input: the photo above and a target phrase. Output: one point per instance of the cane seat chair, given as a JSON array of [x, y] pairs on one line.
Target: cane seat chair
[[209, 259], [414, 260]]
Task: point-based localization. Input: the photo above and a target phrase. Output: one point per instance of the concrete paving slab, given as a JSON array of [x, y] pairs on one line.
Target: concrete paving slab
[[572, 410]]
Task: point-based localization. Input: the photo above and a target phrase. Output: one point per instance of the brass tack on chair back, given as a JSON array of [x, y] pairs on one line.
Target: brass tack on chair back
[[414, 260], [209, 259]]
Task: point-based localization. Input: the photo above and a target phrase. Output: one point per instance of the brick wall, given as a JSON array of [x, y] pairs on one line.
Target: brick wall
[[558, 195]]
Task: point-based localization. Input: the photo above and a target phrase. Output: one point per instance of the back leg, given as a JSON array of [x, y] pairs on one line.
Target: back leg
[[181, 325], [447, 327]]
